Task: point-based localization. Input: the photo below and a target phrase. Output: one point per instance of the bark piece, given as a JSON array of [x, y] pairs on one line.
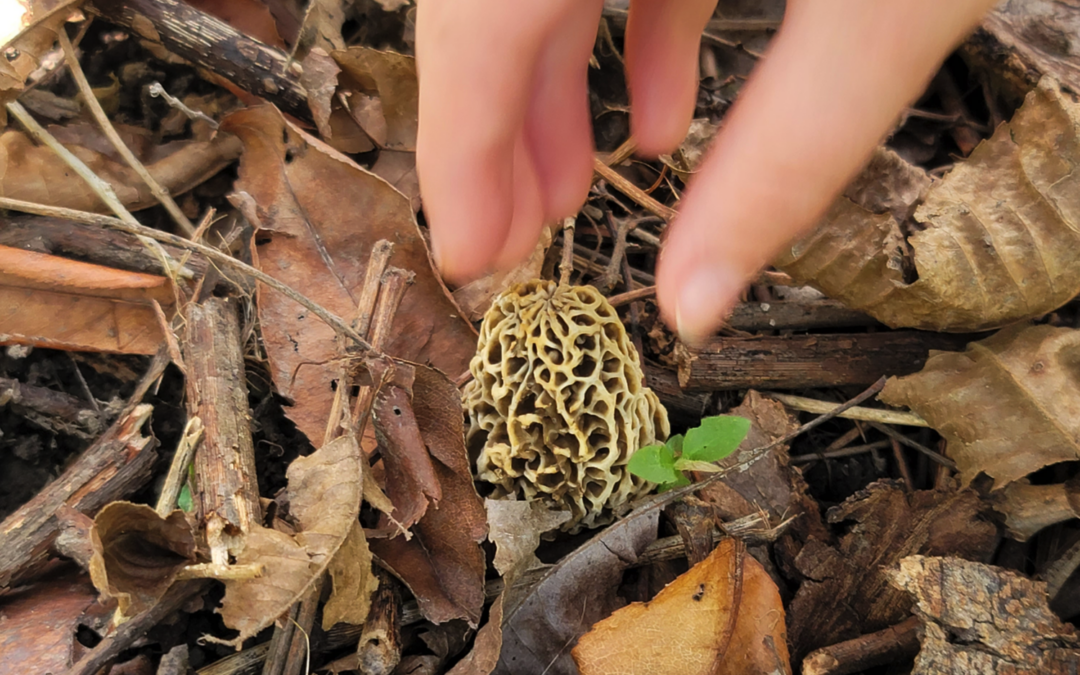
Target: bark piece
[[845, 591], [796, 315], [889, 646], [37, 626], [379, 649], [226, 487], [984, 620], [116, 465], [806, 361]]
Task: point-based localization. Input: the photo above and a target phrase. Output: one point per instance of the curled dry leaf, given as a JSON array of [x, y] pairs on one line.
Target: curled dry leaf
[[35, 173], [324, 495], [137, 554], [391, 119], [1030, 508], [443, 564], [54, 302], [1008, 406], [994, 240], [722, 617], [352, 582], [317, 215], [579, 591], [983, 619]]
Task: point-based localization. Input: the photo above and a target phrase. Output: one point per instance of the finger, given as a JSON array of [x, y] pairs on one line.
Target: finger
[[662, 43], [558, 128], [528, 215], [475, 61], [829, 89]]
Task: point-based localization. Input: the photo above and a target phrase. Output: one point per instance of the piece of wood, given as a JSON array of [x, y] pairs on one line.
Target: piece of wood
[[116, 465], [682, 406], [379, 648], [92, 244], [807, 361], [212, 44], [893, 645], [796, 315], [54, 410], [226, 488]]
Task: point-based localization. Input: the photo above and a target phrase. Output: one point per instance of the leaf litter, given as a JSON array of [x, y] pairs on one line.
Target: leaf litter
[[955, 253]]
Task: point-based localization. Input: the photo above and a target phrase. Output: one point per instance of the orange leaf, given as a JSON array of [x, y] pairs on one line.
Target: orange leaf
[[54, 302], [723, 616]]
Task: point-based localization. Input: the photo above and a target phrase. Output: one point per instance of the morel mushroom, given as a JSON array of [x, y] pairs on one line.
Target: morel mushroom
[[557, 404]]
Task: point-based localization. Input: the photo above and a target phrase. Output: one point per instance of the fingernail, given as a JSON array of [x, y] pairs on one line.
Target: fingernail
[[705, 299]]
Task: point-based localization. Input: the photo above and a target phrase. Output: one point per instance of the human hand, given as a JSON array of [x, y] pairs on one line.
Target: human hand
[[505, 139]]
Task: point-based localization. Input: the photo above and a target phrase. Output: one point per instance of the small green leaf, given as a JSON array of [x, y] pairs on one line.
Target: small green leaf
[[715, 439], [654, 463], [675, 443], [184, 500], [683, 480]]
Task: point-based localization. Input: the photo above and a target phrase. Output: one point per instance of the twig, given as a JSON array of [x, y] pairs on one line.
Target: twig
[[92, 103], [632, 296], [566, 265], [178, 469], [155, 90], [848, 451], [864, 414], [217, 256], [632, 191], [914, 445]]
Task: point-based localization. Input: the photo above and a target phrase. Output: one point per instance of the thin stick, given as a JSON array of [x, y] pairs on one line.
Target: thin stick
[[632, 191], [566, 265], [914, 445], [178, 469], [811, 405], [92, 103], [849, 451], [632, 296], [217, 256]]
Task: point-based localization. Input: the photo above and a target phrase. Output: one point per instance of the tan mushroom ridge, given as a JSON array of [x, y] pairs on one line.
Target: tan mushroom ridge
[[557, 404]]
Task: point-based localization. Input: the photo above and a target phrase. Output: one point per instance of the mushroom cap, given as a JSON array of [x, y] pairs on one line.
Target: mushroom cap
[[557, 402]]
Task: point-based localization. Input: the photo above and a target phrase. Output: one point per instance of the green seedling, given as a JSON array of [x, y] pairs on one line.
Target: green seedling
[[715, 439]]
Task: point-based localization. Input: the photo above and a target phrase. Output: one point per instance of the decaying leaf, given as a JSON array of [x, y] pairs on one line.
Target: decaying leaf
[[443, 564], [324, 495], [995, 239], [38, 626], [1008, 406], [391, 119], [982, 619], [317, 215], [35, 173], [475, 297], [353, 582], [137, 553], [1030, 508], [59, 303], [845, 592], [25, 40], [579, 591], [722, 617]]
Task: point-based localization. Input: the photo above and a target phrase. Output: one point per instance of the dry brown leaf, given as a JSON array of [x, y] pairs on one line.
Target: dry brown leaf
[[982, 620], [995, 241], [35, 173], [1030, 508], [353, 582], [845, 593], [137, 554], [474, 298], [390, 120], [443, 564], [722, 617], [38, 626], [23, 51], [319, 80], [324, 496], [321, 27], [1008, 406], [576, 593], [317, 216], [59, 303]]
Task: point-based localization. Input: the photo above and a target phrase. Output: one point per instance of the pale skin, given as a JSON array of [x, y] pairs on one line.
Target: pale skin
[[505, 141]]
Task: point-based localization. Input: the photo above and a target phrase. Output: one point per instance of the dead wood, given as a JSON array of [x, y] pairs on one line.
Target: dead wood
[[798, 361], [212, 44], [891, 645], [379, 649], [53, 410], [115, 466], [796, 315], [91, 243], [226, 487]]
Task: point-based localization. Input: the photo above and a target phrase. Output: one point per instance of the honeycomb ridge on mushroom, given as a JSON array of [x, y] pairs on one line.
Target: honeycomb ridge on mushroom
[[557, 403]]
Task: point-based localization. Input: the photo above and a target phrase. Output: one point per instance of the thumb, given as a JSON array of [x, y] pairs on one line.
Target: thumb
[[832, 84]]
